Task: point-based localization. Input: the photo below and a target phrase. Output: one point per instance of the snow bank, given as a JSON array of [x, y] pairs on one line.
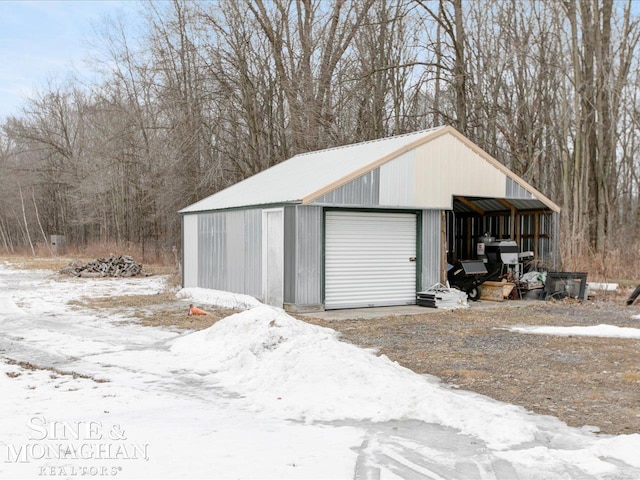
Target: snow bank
[[301, 371], [218, 298], [8, 306], [608, 331], [295, 370], [635, 317], [621, 447], [277, 365]]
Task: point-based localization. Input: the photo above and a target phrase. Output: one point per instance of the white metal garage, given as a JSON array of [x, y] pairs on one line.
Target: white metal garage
[[338, 227], [370, 259]]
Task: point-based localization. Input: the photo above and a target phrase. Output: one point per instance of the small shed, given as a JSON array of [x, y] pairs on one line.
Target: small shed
[[367, 224]]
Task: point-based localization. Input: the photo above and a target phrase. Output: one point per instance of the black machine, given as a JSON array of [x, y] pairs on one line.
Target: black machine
[[468, 275], [633, 296]]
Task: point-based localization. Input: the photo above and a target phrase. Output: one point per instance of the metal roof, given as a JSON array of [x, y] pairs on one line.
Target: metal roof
[[308, 176], [302, 176], [490, 205]]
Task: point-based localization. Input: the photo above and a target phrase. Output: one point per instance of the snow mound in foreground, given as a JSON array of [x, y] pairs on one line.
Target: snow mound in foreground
[[8, 306], [301, 371], [219, 298]]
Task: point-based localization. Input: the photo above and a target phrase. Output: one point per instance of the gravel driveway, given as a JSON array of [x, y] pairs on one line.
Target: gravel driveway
[[582, 380]]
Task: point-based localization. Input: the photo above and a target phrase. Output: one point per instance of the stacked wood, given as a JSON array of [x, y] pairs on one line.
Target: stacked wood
[[111, 266]]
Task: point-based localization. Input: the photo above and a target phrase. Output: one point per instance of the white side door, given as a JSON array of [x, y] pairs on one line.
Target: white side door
[[273, 257]]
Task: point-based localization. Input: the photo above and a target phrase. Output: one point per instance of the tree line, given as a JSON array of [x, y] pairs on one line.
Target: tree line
[[199, 95]]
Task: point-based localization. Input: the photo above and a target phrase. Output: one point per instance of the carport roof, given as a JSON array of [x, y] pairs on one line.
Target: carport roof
[[483, 206], [305, 177]]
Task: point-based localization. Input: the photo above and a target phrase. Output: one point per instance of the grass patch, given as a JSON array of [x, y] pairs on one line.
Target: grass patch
[[171, 318], [55, 374], [631, 377], [24, 262], [159, 310], [36, 263], [127, 301]]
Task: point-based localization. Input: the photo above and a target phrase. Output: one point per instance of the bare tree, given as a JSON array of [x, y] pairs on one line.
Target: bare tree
[[212, 92]]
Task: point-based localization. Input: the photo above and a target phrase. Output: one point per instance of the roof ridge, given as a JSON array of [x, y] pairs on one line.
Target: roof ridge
[[365, 142]]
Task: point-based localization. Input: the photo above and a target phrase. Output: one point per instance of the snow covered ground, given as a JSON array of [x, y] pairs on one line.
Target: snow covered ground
[[605, 331], [86, 394]]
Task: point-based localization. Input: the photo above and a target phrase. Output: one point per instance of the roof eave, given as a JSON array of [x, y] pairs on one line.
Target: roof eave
[[187, 211]]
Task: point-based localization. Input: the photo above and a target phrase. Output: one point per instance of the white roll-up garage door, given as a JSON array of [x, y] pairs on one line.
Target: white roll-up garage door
[[370, 259]]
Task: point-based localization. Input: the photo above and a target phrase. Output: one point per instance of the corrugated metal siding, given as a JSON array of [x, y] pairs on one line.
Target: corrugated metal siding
[[548, 247], [490, 205], [526, 233], [190, 250], [527, 204], [229, 251], [212, 250], [363, 190], [431, 248], [253, 252], [555, 241], [398, 181], [308, 279], [290, 254], [368, 259], [548, 225], [234, 260], [445, 167], [515, 190]]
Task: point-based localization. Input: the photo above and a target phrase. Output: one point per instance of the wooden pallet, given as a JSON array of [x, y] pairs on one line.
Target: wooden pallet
[[496, 291]]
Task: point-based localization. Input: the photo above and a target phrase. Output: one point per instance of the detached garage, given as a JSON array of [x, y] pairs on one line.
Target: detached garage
[[368, 224]]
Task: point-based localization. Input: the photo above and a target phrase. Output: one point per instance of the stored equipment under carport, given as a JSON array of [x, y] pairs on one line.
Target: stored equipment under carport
[[468, 275], [502, 251]]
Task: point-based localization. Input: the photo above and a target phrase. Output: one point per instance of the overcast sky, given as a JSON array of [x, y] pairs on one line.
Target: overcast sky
[[42, 40]]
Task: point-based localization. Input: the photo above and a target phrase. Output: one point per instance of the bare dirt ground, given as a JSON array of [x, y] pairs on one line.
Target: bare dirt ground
[[160, 310], [581, 380]]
